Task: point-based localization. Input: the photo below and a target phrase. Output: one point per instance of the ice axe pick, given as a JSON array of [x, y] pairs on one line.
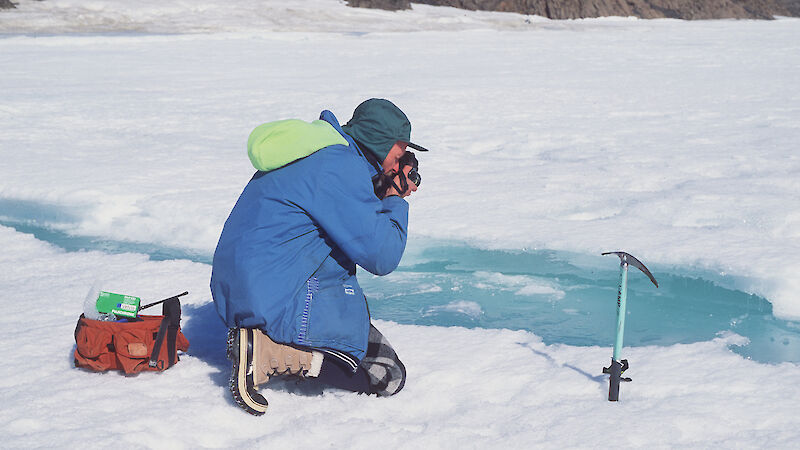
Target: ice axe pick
[[618, 366]]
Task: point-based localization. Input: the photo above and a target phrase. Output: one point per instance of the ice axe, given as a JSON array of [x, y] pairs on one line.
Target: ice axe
[[618, 366]]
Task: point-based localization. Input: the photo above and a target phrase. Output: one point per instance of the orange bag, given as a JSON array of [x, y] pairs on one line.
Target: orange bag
[[148, 343]]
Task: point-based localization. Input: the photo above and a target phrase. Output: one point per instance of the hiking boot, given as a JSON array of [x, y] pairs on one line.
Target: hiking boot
[[256, 358]]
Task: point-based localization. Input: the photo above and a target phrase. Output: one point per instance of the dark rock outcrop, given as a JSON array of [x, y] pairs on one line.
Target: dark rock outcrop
[[646, 9], [792, 7], [6, 4], [391, 5]]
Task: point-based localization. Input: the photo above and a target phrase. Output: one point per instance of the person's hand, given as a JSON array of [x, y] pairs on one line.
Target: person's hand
[[411, 186]]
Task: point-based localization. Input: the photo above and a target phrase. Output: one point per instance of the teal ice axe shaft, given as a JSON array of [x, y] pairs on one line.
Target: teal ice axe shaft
[[622, 299], [617, 365]]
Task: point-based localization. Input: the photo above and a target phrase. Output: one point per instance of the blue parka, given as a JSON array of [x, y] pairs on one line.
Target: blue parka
[[286, 258]]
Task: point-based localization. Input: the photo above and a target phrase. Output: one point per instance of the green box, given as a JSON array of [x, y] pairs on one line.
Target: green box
[[118, 304]]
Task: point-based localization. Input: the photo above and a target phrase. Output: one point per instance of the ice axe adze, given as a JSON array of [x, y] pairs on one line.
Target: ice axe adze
[[618, 366]]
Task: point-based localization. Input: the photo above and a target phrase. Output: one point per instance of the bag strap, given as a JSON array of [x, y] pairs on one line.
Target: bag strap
[[173, 311], [170, 324]]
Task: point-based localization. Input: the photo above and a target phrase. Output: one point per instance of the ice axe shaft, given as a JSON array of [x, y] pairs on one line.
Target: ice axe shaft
[[622, 301], [620, 365]]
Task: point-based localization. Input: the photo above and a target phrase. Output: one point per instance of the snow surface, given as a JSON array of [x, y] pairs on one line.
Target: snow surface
[[672, 140], [466, 388], [203, 16]]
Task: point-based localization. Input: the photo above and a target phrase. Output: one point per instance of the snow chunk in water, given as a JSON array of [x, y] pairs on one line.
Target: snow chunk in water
[[521, 284], [468, 308]]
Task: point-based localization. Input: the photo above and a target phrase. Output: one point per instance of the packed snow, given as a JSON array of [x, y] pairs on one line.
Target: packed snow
[[204, 16], [466, 388], [672, 140]]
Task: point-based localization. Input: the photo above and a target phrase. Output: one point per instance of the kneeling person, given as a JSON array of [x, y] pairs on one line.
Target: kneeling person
[[325, 198]]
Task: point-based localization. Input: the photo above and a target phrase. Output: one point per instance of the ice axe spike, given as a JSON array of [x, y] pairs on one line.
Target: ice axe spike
[[618, 366]]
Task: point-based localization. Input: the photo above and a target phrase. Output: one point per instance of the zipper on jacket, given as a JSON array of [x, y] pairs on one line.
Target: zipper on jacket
[[312, 286]]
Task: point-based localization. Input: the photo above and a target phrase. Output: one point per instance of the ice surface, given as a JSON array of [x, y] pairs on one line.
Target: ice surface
[[466, 388], [670, 140], [673, 141], [204, 16]]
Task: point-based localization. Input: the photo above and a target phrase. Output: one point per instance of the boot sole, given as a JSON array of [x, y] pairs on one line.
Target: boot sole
[[240, 352]]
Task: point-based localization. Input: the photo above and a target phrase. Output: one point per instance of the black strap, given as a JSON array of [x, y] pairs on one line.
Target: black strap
[[172, 310], [169, 327], [383, 181]]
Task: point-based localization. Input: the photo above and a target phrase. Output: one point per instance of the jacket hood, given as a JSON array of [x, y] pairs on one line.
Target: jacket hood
[[275, 144]]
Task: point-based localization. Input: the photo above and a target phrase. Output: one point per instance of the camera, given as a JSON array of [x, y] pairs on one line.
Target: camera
[[382, 181]]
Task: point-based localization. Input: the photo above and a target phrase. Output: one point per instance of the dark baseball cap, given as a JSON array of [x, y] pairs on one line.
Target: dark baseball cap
[[377, 124]]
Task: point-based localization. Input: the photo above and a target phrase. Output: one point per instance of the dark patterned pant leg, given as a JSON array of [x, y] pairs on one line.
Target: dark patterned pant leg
[[387, 375]]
